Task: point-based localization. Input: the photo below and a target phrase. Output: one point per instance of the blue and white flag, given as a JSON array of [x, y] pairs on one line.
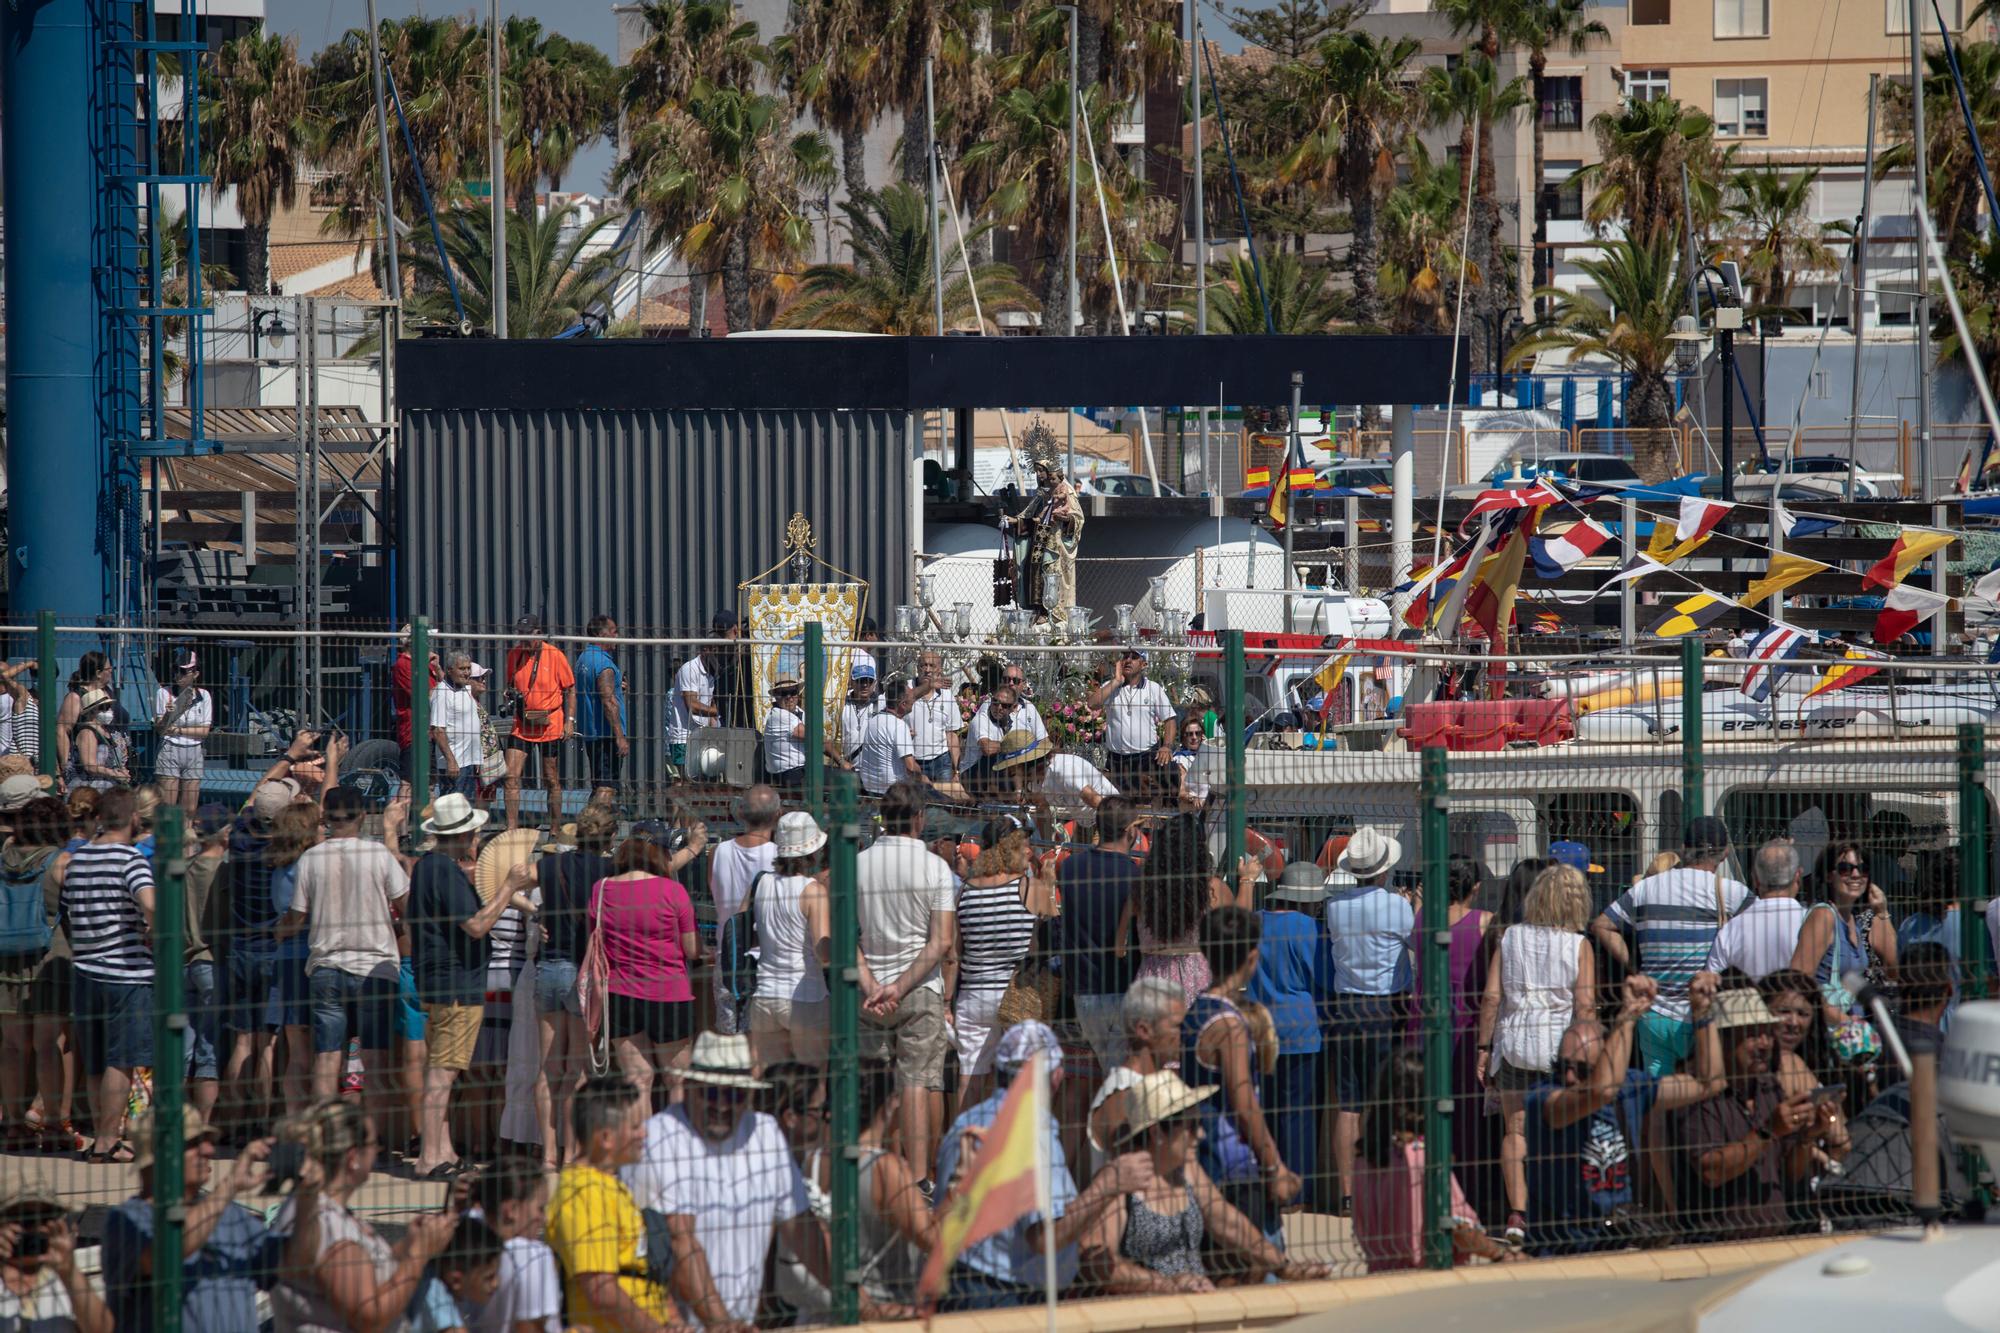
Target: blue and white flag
[[1776, 645], [1785, 521]]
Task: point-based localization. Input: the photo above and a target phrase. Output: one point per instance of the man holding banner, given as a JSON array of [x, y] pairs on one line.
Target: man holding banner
[[1003, 1162]]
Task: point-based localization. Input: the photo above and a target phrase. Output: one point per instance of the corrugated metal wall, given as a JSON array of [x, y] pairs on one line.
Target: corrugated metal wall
[[653, 517]]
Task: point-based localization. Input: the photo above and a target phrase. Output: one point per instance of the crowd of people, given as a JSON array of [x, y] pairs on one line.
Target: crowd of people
[[610, 1039]]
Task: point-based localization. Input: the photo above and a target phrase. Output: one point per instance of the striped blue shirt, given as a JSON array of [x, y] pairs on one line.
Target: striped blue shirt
[[1673, 918]]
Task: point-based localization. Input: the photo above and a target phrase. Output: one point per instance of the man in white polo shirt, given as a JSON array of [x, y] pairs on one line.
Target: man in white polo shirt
[[985, 736], [455, 728], [691, 702], [1135, 709], [934, 721], [888, 753]]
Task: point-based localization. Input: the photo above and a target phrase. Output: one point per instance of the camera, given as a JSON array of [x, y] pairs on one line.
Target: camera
[[286, 1161], [33, 1244]]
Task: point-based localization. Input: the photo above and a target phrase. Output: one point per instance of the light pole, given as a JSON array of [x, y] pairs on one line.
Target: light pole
[[1070, 302], [498, 156]]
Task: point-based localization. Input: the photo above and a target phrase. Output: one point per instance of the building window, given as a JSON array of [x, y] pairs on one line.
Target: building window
[[323, 193], [1562, 190], [1740, 109], [1742, 18], [1899, 16], [1650, 13], [1562, 102], [1646, 85]]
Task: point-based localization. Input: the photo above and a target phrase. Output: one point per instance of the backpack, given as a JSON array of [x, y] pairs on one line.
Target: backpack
[[737, 947], [24, 920]]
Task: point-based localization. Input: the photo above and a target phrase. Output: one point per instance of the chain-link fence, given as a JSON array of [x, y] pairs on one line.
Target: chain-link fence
[[1566, 948]]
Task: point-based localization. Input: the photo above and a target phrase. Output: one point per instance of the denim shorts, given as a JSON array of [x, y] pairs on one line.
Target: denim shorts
[[249, 991], [410, 1022], [291, 1007], [555, 987], [114, 1023], [204, 1021], [344, 1005], [938, 768]]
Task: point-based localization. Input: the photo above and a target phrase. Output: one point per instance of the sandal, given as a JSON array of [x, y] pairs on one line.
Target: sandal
[[121, 1152], [444, 1171], [60, 1138]]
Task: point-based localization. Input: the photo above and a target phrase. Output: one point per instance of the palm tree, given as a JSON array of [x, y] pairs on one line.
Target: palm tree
[[1474, 93], [1301, 301], [719, 177], [1642, 147], [686, 40], [253, 108], [553, 278], [1631, 325], [1420, 258], [1355, 83], [1977, 278], [834, 59], [1773, 210], [1542, 26], [1954, 192], [888, 288], [563, 97]]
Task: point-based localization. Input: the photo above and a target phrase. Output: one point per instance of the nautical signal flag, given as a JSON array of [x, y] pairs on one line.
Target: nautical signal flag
[[1520, 497], [1778, 644], [1697, 521], [1911, 549], [1782, 572], [1785, 521], [1007, 1180], [1560, 552], [1691, 614], [1904, 608], [1849, 671], [1490, 602]]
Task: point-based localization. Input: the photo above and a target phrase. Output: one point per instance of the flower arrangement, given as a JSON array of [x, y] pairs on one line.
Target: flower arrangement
[[1073, 724]]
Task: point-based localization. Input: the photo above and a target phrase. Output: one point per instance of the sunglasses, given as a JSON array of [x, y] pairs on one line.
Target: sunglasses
[[1849, 867], [716, 1092]]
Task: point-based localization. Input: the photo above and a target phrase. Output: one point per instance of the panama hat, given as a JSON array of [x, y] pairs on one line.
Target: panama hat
[[1159, 1096], [1020, 747], [452, 814], [499, 857], [723, 1061], [798, 835], [1743, 1008], [1370, 852]]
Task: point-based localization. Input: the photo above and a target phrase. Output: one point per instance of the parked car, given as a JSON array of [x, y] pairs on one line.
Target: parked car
[[1828, 472], [1361, 473], [1125, 484]]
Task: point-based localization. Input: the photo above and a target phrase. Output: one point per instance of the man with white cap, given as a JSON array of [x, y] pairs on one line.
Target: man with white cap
[[724, 1178], [1009, 1268], [1135, 708], [457, 730], [1368, 928]]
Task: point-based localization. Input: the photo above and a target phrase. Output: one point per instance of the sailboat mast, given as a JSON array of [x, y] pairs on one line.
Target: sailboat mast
[[1923, 303], [1860, 293]]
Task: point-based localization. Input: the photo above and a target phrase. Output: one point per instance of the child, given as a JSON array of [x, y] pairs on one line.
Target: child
[[1389, 1178], [513, 1199], [462, 1279]]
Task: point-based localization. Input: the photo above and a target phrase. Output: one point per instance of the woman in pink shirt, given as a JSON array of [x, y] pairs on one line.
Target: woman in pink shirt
[[650, 944], [1389, 1179]]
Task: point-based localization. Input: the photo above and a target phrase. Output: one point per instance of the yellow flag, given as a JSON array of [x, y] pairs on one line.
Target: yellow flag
[[1783, 571], [1666, 550], [1691, 614]]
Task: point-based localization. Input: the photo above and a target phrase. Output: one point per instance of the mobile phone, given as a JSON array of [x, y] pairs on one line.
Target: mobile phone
[[286, 1161], [1826, 1092]]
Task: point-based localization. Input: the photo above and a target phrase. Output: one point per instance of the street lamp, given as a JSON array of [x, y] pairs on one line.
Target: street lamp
[[1688, 338]]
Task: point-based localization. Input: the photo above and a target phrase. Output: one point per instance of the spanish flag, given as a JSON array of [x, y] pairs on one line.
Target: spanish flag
[[1256, 476], [1008, 1179], [1280, 507], [1842, 674], [1911, 549]]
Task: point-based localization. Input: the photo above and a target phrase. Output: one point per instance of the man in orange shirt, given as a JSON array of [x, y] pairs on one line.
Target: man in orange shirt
[[541, 690]]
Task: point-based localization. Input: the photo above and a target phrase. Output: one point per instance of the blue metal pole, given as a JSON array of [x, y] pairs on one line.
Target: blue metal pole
[[55, 455]]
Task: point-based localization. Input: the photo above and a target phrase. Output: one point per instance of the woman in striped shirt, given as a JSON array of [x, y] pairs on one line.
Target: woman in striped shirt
[[998, 906]]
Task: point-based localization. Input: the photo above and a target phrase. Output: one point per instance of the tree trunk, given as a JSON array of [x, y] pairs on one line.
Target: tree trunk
[[1090, 51], [916, 141], [1501, 298], [257, 258], [736, 282], [1363, 258], [1542, 268], [697, 303], [1055, 290], [854, 162]]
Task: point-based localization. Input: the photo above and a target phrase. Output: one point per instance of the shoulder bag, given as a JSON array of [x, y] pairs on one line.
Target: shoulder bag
[[593, 988]]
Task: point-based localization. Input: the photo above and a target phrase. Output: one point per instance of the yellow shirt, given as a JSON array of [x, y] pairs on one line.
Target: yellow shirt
[[594, 1227]]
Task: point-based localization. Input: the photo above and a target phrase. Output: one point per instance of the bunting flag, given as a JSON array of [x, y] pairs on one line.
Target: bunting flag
[[1778, 644], [1695, 525], [1490, 602], [1911, 549], [1988, 585], [1280, 505], [1844, 673], [1782, 572], [1256, 476], [1691, 614], [1304, 479], [1904, 608], [1520, 497], [1330, 674], [1638, 568], [1006, 1180], [1447, 588], [1561, 552], [1791, 525]]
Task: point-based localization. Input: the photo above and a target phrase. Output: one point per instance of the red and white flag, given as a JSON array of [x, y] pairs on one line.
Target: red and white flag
[[1522, 497], [1904, 608], [1558, 554], [1698, 517], [1769, 650]]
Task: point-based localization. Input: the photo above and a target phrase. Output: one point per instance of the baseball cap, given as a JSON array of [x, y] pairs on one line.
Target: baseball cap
[[212, 818], [1575, 855], [1020, 1043], [21, 788], [344, 802], [476, 671], [1706, 833], [271, 796], [1742, 1008], [862, 671], [528, 624]]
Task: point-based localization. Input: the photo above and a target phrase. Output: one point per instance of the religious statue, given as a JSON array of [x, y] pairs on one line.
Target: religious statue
[[1038, 546]]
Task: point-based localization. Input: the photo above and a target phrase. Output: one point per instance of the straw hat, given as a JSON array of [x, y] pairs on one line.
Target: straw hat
[[1301, 882], [1743, 1008], [193, 1130], [1158, 1096], [1370, 852], [723, 1061], [92, 699], [1020, 747], [452, 814], [501, 855], [798, 835]]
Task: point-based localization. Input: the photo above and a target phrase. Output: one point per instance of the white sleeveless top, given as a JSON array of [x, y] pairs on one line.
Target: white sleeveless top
[[1538, 967], [786, 967]]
